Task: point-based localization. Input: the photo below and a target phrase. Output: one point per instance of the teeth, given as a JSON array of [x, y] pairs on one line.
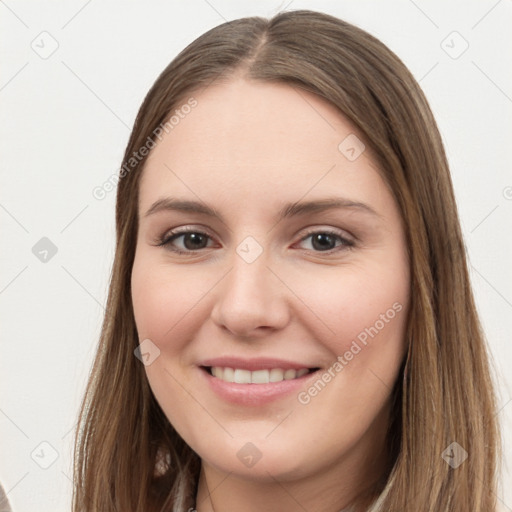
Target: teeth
[[276, 375], [290, 374], [260, 377], [228, 375], [241, 376], [256, 377]]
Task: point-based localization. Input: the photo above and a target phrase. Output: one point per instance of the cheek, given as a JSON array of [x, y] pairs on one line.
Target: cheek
[[362, 304], [165, 300], [367, 311], [166, 305]]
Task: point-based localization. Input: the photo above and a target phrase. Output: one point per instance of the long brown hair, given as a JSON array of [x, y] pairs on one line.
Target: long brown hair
[[445, 392]]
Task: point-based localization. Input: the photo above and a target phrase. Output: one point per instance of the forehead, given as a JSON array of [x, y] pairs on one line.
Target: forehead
[[257, 140]]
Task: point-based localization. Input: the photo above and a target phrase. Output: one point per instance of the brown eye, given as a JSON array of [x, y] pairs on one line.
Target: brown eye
[[185, 241], [324, 241], [193, 241]]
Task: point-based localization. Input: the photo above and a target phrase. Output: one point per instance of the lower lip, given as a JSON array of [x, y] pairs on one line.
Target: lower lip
[[255, 394]]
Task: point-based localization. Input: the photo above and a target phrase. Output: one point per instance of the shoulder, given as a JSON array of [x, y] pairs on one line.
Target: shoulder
[[4, 503]]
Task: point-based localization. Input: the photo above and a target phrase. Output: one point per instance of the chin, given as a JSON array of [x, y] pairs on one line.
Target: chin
[[261, 460]]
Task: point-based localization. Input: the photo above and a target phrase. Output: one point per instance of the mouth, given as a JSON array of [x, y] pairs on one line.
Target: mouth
[[261, 376], [255, 381]]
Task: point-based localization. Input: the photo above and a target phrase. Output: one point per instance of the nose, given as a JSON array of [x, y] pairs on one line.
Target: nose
[[251, 301]]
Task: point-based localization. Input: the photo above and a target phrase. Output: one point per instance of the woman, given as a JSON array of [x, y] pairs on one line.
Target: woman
[[290, 324]]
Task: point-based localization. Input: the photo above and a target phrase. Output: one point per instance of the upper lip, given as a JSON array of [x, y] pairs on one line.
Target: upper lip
[[253, 364]]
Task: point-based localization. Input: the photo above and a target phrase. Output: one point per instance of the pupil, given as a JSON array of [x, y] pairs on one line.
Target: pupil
[[323, 241], [195, 239]]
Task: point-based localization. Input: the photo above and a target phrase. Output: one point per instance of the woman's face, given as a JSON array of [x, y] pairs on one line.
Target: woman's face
[[285, 263]]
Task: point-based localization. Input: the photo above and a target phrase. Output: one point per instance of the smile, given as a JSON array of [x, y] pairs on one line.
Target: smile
[[265, 376], [255, 382]]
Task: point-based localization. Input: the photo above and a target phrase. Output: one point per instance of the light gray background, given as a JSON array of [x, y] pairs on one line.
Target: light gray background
[[64, 126]]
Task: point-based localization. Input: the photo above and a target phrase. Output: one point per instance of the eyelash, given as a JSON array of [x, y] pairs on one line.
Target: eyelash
[[168, 237]]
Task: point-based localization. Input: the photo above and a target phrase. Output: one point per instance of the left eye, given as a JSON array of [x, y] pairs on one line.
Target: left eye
[[322, 241]]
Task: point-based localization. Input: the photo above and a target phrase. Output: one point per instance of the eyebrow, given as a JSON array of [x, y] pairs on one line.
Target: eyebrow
[[289, 210]]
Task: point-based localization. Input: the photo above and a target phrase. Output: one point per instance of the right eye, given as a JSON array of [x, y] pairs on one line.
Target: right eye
[[185, 241]]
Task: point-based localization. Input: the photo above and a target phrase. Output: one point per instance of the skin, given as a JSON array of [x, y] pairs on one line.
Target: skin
[[246, 149]]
